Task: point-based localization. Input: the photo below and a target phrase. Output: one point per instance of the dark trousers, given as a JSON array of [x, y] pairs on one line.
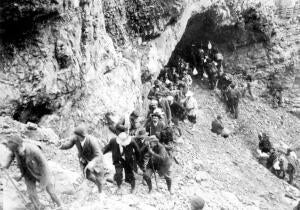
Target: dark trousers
[[96, 178], [31, 189], [277, 98], [233, 105], [129, 175], [148, 174]]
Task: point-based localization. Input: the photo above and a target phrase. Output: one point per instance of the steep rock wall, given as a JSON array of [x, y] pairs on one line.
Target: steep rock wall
[[83, 58]]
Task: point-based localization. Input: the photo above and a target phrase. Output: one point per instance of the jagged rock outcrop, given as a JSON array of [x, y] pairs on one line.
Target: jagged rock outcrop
[[84, 58]]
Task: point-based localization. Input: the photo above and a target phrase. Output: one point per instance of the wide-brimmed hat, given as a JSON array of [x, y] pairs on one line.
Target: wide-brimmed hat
[[153, 138], [170, 98], [156, 82], [154, 102], [142, 133], [181, 84], [156, 114], [80, 131], [159, 93], [189, 93], [219, 57], [123, 139]]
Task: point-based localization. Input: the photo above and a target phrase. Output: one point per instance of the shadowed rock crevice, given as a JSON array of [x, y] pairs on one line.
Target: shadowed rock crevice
[[21, 21], [33, 112], [226, 35]]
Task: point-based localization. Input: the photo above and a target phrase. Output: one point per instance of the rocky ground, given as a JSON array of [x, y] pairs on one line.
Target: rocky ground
[[224, 172]]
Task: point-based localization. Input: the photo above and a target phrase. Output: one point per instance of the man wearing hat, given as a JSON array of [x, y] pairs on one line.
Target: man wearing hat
[[174, 75], [191, 107], [158, 87], [152, 106], [218, 128], [177, 110], [212, 74], [128, 123], [234, 96], [198, 59], [33, 166], [187, 79], [142, 141], [157, 160], [155, 126], [124, 153], [164, 105], [89, 154]]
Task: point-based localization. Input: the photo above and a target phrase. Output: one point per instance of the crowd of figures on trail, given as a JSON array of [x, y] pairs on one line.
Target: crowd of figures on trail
[[143, 145], [277, 161]]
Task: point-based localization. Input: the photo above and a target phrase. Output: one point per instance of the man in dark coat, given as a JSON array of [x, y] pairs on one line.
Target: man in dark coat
[[264, 143], [125, 152], [141, 139], [198, 59], [89, 154], [34, 168], [157, 160], [158, 87], [174, 75], [272, 158], [164, 105], [128, 124], [177, 110], [218, 127], [276, 89], [155, 126], [233, 98]]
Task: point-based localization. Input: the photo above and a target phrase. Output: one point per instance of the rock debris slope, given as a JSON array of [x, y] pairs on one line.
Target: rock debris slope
[[223, 171], [65, 62]]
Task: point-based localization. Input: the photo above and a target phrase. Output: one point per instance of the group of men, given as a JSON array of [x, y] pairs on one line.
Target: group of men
[[277, 162], [207, 62], [128, 152], [139, 145]]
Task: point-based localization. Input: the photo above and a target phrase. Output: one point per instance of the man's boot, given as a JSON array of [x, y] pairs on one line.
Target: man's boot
[[149, 183], [169, 184], [132, 186]]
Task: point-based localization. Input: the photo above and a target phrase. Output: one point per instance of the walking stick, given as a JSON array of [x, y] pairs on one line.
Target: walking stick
[[154, 174], [153, 167], [19, 192]]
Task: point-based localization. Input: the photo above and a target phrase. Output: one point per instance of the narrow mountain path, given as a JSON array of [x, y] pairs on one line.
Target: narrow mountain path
[[222, 171]]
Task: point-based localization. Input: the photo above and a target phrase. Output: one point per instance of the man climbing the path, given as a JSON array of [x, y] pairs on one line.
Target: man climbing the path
[[34, 168], [89, 154], [264, 143], [141, 139], [234, 96], [158, 87], [191, 107], [217, 127], [155, 126], [157, 160], [187, 79], [125, 152], [164, 105]]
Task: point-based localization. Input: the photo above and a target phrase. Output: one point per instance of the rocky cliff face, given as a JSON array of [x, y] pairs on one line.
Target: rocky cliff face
[[64, 62]]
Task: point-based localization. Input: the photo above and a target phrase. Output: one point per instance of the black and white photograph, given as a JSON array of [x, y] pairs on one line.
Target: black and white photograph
[[149, 104]]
